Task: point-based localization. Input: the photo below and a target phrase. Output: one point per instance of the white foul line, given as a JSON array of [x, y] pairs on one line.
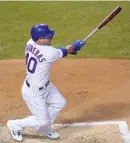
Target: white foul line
[[124, 132]]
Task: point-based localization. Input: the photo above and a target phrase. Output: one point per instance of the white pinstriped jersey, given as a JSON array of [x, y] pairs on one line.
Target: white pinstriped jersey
[[38, 61]]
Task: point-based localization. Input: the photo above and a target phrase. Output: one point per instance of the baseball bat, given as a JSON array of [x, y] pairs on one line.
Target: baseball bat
[[104, 22]]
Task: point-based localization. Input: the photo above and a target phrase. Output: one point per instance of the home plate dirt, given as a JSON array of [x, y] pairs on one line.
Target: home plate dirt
[[95, 134], [95, 89]]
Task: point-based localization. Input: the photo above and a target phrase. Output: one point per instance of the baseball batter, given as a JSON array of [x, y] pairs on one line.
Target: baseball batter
[[42, 98]]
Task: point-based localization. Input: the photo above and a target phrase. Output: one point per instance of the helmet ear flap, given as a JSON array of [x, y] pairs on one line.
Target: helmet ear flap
[[36, 39]]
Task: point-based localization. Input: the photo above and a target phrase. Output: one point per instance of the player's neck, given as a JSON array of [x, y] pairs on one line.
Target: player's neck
[[41, 43]]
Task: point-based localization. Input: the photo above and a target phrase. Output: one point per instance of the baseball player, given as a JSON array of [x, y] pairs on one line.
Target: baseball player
[[42, 98]]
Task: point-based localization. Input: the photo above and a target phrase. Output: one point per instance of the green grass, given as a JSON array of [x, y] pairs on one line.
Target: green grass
[[71, 20]]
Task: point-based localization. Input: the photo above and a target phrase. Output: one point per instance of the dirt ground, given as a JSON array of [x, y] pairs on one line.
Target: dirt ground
[[95, 89]]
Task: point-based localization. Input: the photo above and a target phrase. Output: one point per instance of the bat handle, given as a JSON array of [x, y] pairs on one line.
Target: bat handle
[[92, 33]]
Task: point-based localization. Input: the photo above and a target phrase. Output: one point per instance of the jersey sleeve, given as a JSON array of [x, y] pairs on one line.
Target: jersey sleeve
[[54, 54]]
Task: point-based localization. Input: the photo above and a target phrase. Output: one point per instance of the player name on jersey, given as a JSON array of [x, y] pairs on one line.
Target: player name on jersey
[[35, 52]]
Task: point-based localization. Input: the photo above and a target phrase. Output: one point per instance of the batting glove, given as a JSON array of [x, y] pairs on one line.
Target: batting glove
[[77, 45]]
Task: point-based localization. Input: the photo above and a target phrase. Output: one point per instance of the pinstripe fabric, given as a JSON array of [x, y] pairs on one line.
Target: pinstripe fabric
[[45, 104], [44, 108], [42, 72], [56, 102]]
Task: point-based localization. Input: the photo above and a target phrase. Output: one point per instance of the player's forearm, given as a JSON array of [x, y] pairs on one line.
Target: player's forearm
[[72, 49], [69, 49]]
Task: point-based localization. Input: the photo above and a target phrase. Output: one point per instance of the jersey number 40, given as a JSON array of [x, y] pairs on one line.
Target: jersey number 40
[[31, 63]]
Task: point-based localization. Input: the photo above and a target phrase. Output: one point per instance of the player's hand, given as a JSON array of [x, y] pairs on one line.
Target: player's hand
[[77, 45]]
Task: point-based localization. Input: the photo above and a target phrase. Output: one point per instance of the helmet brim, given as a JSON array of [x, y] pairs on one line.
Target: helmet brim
[[50, 34]]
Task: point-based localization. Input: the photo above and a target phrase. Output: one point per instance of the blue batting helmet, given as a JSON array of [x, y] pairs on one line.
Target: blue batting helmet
[[41, 31]]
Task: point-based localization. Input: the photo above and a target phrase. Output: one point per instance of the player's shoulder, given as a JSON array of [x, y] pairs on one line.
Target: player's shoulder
[[49, 48], [30, 41], [43, 48]]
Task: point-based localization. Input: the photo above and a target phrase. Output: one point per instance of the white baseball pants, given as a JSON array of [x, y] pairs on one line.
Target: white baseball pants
[[44, 105]]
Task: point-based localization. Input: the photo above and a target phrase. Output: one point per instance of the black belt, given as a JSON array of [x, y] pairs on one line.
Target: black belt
[[40, 88]]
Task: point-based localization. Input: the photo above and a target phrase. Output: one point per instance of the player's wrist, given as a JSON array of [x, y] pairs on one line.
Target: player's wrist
[[69, 49]]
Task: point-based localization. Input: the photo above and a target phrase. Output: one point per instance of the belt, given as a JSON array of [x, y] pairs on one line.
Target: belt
[[40, 88]]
